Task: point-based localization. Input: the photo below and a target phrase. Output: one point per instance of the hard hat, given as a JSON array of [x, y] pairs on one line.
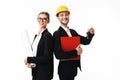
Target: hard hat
[[62, 8]]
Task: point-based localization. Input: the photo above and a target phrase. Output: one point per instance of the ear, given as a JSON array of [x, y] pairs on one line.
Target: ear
[[57, 17], [48, 21]]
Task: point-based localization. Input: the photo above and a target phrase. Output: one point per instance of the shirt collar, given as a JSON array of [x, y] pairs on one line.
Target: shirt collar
[[40, 33], [65, 28]]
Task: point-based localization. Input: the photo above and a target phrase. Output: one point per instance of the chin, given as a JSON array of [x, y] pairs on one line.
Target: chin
[[65, 23]]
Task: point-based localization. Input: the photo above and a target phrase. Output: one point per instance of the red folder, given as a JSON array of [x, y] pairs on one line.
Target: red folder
[[69, 44]]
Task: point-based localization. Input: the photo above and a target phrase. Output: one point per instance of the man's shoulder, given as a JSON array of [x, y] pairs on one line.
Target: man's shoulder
[[72, 30], [56, 32]]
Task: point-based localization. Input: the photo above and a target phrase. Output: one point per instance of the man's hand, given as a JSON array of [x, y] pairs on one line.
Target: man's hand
[[91, 30], [79, 50]]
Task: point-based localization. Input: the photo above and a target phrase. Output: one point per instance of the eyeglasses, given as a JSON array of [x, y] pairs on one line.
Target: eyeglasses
[[43, 19]]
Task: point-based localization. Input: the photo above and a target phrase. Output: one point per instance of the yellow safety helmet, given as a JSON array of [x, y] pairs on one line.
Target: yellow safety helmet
[[62, 8]]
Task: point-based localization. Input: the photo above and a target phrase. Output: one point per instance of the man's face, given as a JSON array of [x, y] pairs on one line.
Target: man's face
[[63, 17]]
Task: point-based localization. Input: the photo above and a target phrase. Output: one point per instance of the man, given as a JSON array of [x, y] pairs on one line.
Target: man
[[67, 68]]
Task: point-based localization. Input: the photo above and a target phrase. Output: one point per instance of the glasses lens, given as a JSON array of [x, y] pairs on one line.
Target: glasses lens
[[43, 19]]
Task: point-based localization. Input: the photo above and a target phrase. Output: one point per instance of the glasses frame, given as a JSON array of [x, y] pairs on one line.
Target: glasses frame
[[42, 19]]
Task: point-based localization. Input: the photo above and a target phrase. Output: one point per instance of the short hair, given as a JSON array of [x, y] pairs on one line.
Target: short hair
[[46, 13]]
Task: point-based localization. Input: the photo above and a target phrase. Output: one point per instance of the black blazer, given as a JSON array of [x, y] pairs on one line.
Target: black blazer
[[60, 54], [43, 58]]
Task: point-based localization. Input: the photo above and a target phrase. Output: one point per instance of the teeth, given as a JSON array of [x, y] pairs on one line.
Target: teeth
[[64, 20]]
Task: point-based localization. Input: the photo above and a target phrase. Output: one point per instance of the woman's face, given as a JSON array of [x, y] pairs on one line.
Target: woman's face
[[43, 20]]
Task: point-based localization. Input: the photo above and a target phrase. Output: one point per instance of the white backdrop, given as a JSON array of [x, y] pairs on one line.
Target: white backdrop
[[100, 59]]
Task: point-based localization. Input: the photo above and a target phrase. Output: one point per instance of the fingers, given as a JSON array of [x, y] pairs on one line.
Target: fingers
[[77, 47], [91, 30], [25, 61], [29, 65], [79, 50]]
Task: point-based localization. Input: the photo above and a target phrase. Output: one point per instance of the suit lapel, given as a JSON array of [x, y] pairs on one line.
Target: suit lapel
[[41, 40], [62, 31], [43, 33]]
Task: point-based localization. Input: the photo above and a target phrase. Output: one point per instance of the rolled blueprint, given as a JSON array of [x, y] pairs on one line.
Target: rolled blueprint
[[27, 46]]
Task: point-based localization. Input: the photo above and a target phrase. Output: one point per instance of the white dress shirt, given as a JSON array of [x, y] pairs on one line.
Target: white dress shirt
[[35, 46], [36, 42], [67, 31]]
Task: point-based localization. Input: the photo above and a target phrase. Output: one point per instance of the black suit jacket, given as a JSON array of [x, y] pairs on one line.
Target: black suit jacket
[[43, 58], [68, 66]]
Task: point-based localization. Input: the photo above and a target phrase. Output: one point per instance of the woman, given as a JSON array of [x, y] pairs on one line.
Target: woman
[[43, 50]]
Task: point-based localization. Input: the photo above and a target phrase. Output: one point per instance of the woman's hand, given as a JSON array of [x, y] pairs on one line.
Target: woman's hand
[[29, 65], [25, 61]]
